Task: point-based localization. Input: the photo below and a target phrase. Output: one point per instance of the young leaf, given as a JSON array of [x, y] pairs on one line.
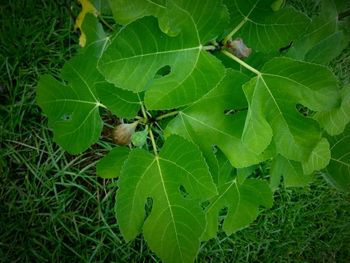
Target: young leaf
[[73, 109], [273, 96], [335, 121], [338, 170], [206, 124], [111, 165], [177, 181], [262, 28], [132, 61]]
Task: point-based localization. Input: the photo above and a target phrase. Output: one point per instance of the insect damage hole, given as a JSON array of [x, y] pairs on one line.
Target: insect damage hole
[[183, 191], [148, 206], [162, 72], [66, 117]]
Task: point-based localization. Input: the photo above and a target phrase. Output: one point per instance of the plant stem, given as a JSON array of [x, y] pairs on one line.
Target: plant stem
[[101, 105], [209, 47], [144, 114], [105, 22], [155, 150], [140, 119], [241, 62], [234, 31], [166, 115]]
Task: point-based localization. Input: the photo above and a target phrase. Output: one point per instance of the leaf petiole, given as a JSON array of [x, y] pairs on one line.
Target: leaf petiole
[[144, 114], [210, 47], [235, 30], [241, 62], [155, 150], [166, 115]]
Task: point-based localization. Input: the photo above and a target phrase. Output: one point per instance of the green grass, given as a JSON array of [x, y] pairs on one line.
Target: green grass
[[53, 208]]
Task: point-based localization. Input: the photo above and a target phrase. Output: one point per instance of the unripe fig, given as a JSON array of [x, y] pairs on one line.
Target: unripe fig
[[122, 133]]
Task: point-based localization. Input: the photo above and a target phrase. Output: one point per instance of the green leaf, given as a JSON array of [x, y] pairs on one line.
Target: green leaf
[[292, 172], [323, 41], [73, 109], [277, 5], [335, 121], [262, 28], [319, 157], [242, 201], [132, 61], [126, 11], [111, 165], [93, 33], [122, 103], [273, 117], [338, 170], [210, 17], [139, 138], [177, 182], [206, 124]]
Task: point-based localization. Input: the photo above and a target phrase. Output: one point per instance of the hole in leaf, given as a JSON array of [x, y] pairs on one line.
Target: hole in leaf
[[205, 204], [234, 111], [66, 117], [305, 111], [183, 191], [222, 215], [148, 206], [162, 72]]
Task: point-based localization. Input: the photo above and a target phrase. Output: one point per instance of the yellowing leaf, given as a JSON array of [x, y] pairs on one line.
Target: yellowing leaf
[[87, 7]]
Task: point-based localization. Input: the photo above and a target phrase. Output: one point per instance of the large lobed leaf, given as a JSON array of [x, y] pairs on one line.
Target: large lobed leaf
[[323, 40], [73, 109], [206, 124], [273, 117], [262, 28], [177, 181], [141, 50], [211, 17], [241, 197]]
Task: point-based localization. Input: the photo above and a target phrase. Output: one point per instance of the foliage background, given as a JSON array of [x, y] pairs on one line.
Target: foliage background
[[53, 208]]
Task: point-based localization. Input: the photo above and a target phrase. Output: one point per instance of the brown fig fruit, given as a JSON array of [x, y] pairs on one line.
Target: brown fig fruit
[[238, 48], [122, 133]]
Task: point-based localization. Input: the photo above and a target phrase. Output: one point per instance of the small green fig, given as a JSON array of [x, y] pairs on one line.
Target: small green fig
[[122, 133]]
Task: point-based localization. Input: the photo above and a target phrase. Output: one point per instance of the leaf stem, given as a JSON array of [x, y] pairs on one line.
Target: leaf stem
[[155, 150], [241, 62], [144, 114], [105, 22], [210, 47], [235, 30], [166, 115]]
